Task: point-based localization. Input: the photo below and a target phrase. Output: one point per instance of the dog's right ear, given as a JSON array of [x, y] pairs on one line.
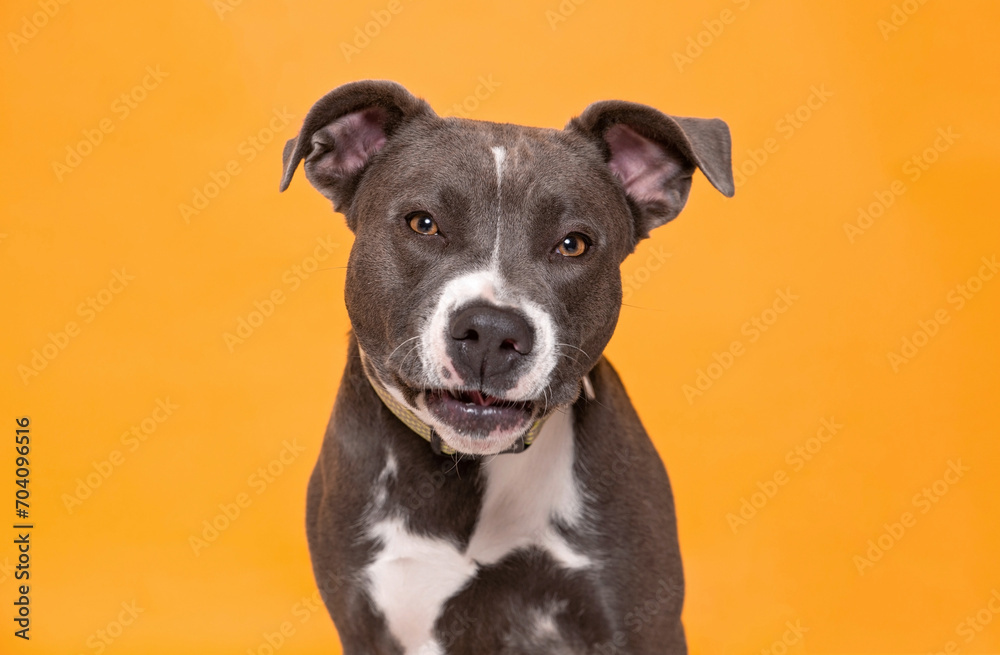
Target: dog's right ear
[[343, 131]]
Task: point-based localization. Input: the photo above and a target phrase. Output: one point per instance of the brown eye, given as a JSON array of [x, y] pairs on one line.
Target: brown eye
[[573, 245], [423, 223]]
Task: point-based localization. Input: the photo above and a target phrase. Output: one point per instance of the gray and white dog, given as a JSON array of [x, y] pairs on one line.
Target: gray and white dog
[[482, 288]]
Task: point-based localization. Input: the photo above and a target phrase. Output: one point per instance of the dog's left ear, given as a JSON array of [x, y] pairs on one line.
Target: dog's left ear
[[654, 156]]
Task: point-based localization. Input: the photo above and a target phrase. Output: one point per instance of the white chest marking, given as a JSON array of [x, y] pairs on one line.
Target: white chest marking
[[413, 576], [525, 492]]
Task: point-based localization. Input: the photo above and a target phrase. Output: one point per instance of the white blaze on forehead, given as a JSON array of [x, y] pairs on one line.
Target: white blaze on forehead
[[499, 155]]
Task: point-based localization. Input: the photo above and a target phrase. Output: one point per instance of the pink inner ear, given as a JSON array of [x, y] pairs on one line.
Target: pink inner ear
[[643, 166], [355, 138]]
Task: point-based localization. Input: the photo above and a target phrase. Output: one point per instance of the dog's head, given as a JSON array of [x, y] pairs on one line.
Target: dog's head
[[484, 279]]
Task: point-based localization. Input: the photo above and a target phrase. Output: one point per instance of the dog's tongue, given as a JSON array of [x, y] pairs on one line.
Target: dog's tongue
[[479, 398], [475, 397]]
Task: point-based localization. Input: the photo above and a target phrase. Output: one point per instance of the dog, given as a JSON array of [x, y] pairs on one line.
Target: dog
[[485, 485]]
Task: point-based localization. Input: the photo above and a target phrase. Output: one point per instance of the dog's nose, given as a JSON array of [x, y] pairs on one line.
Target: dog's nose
[[488, 341]]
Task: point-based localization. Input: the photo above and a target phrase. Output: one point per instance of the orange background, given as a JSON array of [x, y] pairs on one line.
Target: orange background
[[719, 266]]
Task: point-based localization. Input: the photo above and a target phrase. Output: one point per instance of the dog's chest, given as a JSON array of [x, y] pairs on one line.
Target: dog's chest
[[526, 494]]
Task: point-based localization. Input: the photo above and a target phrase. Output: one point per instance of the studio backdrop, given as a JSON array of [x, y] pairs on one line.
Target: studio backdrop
[[815, 358]]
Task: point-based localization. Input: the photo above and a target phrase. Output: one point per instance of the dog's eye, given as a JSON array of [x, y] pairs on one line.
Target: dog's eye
[[573, 244], [423, 223]]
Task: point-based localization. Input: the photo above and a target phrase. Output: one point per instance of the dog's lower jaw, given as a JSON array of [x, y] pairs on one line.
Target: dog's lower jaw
[[495, 443], [479, 437]]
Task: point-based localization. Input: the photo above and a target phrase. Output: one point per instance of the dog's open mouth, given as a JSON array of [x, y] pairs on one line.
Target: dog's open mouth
[[477, 415]]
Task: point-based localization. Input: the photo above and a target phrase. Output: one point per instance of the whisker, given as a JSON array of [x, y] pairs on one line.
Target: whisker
[[648, 309], [412, 350], [568, 345], [389, 358], [456, 458], [574, 359]]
